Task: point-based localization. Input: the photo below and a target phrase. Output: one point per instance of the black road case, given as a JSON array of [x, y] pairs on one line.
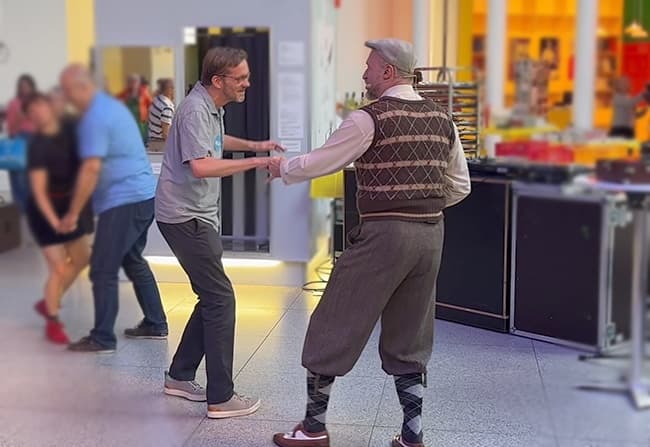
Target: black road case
[[571, 268]]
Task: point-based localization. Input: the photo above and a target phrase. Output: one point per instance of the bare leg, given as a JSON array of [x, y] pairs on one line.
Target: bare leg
[[57, 263], [78, 252]]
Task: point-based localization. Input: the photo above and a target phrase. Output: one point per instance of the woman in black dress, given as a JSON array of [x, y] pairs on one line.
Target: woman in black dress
[[53, 164]]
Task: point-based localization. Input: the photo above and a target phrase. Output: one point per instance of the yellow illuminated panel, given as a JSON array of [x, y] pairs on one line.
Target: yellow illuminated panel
[[227, 262], [80, 27]]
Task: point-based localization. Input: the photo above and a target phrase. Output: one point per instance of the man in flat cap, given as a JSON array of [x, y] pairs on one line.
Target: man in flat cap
[[409, 167]]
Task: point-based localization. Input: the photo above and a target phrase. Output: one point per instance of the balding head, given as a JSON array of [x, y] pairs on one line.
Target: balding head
[[78, 86], [133, 83]]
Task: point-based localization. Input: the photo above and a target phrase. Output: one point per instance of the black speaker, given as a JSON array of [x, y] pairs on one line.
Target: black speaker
[[473, 282], [571, 270]]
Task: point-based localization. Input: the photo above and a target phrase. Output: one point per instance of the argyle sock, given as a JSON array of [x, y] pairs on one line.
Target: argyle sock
[[318, 396], [410, 390]]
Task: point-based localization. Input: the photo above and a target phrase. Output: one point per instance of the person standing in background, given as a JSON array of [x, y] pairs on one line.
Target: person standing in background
[[625, 109], [137, 99], [20, 126], [116, 172], [53, 165], [161, 113]]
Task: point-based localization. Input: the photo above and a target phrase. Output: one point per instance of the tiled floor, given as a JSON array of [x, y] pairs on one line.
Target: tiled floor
[[486, 389]]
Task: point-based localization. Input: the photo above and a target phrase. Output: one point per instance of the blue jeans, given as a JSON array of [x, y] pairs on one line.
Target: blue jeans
[[19, 180], [19, 183], [119, 242]]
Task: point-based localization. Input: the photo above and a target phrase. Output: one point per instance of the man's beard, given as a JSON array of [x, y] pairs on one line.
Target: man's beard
[[238, 97], [370, 93]]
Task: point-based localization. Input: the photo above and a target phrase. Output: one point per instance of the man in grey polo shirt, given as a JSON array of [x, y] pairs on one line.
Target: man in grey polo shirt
[[187, 213]]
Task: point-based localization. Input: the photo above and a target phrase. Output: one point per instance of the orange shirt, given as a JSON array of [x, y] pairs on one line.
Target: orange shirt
[[144, 100]]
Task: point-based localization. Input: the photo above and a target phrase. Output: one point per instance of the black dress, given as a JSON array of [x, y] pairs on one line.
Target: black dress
[[58, 155]]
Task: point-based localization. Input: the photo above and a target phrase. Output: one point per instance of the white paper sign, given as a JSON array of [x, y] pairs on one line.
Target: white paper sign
[[155, 167], [292, 146], [291, 53], [291, 106]]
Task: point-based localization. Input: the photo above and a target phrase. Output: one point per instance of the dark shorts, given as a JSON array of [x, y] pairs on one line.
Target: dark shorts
[[622, 131], [45, 235]]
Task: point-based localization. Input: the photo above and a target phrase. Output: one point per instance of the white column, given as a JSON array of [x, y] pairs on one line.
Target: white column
[[179, 72], [421, 35], [584, 84], [496, 55]]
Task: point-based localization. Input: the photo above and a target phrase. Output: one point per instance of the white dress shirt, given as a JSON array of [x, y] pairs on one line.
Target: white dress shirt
[[354, 137]]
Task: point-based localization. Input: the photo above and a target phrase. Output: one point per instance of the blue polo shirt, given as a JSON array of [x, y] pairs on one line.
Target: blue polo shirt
[[108, 131]]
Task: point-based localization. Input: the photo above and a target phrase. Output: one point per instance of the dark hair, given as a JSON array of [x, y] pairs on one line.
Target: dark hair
[[32, 99], [29, 79], [164, 82], [218, 59]]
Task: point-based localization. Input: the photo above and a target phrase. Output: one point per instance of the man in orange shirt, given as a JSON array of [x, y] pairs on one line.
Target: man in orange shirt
[[137, 98]]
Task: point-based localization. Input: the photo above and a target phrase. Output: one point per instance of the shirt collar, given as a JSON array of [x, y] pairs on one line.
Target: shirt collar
[[402, 91], [200, 90]]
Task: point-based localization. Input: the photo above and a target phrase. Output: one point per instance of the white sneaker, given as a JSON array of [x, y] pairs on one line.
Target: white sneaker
[[238, 405], [187, 389]]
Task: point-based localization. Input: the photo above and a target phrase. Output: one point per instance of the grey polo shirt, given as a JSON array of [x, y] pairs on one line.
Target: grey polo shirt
[[196, 132]]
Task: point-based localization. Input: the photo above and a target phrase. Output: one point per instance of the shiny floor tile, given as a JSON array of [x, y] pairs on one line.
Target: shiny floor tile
[[486, 389]]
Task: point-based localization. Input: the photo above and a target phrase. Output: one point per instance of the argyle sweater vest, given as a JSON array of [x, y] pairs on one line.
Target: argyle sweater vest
[[401, 175]]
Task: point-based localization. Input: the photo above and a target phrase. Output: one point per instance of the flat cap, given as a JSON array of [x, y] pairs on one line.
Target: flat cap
[[396, 52]]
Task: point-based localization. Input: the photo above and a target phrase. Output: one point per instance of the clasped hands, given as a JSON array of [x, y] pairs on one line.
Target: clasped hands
[[271, 164], [65, 225]]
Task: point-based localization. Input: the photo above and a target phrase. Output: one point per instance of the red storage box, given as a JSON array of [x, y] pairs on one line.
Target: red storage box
[[521, 149], [551, 154]]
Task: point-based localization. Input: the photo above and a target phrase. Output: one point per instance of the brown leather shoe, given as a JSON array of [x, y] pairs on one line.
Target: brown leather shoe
[[399, 442], [300, 438]]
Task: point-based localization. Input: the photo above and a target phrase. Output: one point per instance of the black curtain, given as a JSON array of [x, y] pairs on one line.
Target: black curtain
[[249, 120]]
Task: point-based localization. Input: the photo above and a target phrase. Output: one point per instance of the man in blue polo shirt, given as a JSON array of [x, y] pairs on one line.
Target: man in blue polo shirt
[[115, 170]]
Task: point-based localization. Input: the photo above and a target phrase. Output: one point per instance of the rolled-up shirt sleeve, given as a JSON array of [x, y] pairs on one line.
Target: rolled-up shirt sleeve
[[457, 181], [344, 146]]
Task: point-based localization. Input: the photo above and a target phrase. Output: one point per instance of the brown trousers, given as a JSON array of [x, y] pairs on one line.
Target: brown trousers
[[389, 271], [157, 146]]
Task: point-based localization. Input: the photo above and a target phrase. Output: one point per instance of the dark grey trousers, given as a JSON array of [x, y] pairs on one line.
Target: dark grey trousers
[[388, 272], [210, 330]]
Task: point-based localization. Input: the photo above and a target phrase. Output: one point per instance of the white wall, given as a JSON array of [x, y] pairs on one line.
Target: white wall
[[352, 32], [35, 31], [361, 20]]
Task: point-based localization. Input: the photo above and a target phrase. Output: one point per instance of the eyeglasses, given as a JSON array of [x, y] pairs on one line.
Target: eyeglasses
[[238, 80]]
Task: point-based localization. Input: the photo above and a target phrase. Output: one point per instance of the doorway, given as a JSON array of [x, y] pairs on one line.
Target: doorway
[[245, 198]]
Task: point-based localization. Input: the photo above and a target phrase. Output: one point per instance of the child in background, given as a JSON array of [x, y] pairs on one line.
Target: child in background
[[625, 109]]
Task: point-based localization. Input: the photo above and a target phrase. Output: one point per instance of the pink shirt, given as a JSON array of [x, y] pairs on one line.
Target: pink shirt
[[17, 122]]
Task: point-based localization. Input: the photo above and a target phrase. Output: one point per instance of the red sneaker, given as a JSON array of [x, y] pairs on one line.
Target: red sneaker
[[41, 308], [55, 332]]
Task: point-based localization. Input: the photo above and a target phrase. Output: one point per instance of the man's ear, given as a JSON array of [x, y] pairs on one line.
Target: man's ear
[[389, 72], [217, 81]]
